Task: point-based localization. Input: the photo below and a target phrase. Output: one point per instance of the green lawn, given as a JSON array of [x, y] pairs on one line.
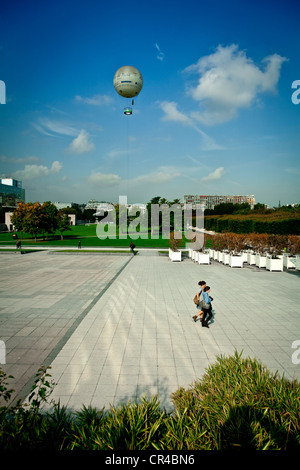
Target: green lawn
[[88, 237]]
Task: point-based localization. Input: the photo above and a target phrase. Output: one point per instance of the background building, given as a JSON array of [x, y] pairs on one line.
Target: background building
[[210, 202], [11, 192]]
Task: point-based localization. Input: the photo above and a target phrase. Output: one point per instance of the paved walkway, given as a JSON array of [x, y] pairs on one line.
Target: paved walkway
[[124, 324]]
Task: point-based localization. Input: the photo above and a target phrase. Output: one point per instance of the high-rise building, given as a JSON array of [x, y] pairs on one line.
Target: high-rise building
[[209, 202], [11, 192]]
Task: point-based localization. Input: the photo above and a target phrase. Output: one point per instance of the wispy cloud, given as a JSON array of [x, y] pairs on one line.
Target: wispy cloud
[[293, 170], [17, 161], [160, 55], [96, 100], [162, 175], [173, 114], [102, 179], [53, 127]]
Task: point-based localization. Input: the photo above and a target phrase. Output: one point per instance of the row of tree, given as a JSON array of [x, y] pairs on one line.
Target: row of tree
[[227, 208], [40, 219]]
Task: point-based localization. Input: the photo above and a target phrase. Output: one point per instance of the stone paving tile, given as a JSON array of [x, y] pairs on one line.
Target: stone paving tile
[[139, 337], [42, 296], [153, 340]]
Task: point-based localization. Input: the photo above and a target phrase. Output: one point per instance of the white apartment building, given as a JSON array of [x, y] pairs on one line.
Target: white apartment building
[[209, 202]]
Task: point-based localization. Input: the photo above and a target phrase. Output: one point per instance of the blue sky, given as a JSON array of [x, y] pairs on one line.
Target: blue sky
[[215, 114]]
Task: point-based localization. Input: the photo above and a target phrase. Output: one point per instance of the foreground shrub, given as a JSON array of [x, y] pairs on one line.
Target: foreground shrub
[[237, 404], [241, 404]]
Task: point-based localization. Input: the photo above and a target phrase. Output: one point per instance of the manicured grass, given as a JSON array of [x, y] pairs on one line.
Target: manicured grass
[[88, 237]]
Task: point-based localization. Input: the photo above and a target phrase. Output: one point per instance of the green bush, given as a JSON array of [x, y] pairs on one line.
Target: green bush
[[242, 405], [247, 224], [237, 404]]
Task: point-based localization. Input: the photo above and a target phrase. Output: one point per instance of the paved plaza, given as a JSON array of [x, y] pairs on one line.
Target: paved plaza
[[115, 327]]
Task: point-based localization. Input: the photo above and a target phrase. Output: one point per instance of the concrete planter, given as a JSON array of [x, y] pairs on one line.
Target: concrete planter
[[260, 260], [251, 258], [235, 261], [225, 259], [203, 258], [174, 255], [289, 262], [211, 253], [274, 264]]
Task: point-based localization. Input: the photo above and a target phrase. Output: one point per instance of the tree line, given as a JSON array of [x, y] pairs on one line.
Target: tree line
[[40, 219], [228, 208]]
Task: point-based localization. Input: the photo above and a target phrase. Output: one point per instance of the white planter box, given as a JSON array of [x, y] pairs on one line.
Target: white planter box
[[289, 261], [190, 252], [260, 260], [216, 255], [196, 256], [174, 255], [297, 263], [203, 258], [250, 258], [211, 253], [244, 255], [226, 258], [274, 264], [235, 261]]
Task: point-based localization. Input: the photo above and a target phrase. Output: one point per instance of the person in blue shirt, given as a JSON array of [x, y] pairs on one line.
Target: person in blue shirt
[[206, 311]]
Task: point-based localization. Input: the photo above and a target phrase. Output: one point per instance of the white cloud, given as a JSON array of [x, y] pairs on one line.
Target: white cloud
[[162, 175], [215, 175], [172, 113], [37, 171], [104, 179], [56, 167], [230, 81], [81, 143], [96, 100]]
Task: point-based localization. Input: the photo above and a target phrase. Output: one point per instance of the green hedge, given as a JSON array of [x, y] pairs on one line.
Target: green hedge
[[247, 225]]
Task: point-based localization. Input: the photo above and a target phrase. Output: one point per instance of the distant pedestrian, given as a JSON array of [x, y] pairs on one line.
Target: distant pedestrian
[[206, 306], [18, 244], [202, 284], [132, 247], [79, 244]]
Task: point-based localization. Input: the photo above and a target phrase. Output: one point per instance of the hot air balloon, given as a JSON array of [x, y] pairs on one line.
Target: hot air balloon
[[128, 83]]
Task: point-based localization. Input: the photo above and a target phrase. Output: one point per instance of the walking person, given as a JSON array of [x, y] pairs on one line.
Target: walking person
[[202, 284], [207, 309], [132, 247]]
